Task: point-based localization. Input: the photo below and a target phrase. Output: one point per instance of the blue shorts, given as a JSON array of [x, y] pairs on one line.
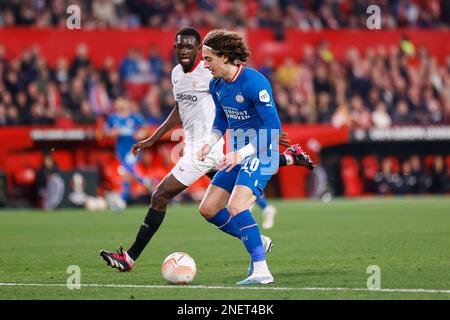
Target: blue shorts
[[127, 160], [250, 173]]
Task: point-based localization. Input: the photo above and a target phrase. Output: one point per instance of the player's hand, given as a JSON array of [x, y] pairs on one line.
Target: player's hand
[[138, 146], [229, 161], [284, 140], [203, 152]]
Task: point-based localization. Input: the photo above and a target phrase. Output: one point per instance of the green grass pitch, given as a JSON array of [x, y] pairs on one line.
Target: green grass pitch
[[319, 248]]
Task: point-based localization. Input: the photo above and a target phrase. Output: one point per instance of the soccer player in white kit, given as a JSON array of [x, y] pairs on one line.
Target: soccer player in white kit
[[195, 110]]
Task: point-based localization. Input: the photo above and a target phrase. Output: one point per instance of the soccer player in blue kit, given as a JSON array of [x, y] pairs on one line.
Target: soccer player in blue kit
[[191, 80], [126, 127], [245, 106]]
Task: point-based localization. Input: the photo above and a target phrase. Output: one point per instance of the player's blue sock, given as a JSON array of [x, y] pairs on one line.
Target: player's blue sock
[[250, 235], [125, 191], [262, 202], [224, 222]]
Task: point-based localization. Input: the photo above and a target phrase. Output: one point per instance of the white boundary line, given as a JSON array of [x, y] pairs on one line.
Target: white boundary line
[[94, 285]]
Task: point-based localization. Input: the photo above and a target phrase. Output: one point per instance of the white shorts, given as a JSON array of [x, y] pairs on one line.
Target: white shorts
[[189, 169]]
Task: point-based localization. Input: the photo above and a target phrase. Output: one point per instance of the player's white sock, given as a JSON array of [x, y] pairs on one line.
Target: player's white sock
[[261, 267]]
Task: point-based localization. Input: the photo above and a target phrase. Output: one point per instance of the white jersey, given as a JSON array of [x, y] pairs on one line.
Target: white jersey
[[196, 107]]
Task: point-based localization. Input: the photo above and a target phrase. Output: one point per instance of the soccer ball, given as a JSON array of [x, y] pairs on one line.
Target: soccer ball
[[179, 268]]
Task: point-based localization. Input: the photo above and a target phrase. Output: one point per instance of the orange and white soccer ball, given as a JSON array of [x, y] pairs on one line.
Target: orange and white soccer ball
[[179, 268]]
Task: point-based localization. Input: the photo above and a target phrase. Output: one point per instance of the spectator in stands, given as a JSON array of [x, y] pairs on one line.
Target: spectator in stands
[[105, 12], [401, 114], [359, 114], [128, 67], [439, 178], [380, 117], [156, 64], [85, 115], [405, 180], [13, 116], [341, 117], [385, 179], [152, 111], [81, 60], [3, 115], [98, 96], [40, 116], [324, 108], [61, 73], [288, 72], [417, 175], [373, 98], [417, 107], [268, 68], [321, 80], [74, 96]]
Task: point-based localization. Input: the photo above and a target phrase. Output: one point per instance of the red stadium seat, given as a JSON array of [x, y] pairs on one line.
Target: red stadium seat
[[350, 177], [370, 167], [447, 163], [25, 176], [428, 162]]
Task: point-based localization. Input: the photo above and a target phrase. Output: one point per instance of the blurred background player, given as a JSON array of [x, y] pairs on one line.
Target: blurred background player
[[126, 127]]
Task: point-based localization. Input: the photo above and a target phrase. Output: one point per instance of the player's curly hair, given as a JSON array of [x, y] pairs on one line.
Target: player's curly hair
[[229, 44]]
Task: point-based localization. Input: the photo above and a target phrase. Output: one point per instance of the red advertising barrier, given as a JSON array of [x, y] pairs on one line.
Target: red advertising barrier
[[80, 146], [312, 138], [55, 43]]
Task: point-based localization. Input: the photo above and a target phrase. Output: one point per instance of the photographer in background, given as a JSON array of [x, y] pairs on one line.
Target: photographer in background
[[50, 185]]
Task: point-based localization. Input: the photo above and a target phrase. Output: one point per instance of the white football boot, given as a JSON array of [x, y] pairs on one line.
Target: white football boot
[[267, 245], [257, 279]]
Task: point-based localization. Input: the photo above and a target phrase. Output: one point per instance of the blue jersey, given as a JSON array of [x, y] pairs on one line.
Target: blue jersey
[[247, 104], [128, 126]]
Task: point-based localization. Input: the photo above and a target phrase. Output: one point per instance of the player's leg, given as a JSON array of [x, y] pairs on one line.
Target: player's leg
[[127, 161], [240, 201], [295, 155], [168, 188], [268, 212], [207, 208], [213, 205]]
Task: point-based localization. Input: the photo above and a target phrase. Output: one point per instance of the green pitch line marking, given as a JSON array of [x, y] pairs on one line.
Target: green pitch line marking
[[94, 285]]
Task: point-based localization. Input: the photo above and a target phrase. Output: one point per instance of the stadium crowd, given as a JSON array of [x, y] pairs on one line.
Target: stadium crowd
[[276, 14], [381, 87]]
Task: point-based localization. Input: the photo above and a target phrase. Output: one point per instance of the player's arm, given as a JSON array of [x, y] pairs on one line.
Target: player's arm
[[260, 95], [171, 122]]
